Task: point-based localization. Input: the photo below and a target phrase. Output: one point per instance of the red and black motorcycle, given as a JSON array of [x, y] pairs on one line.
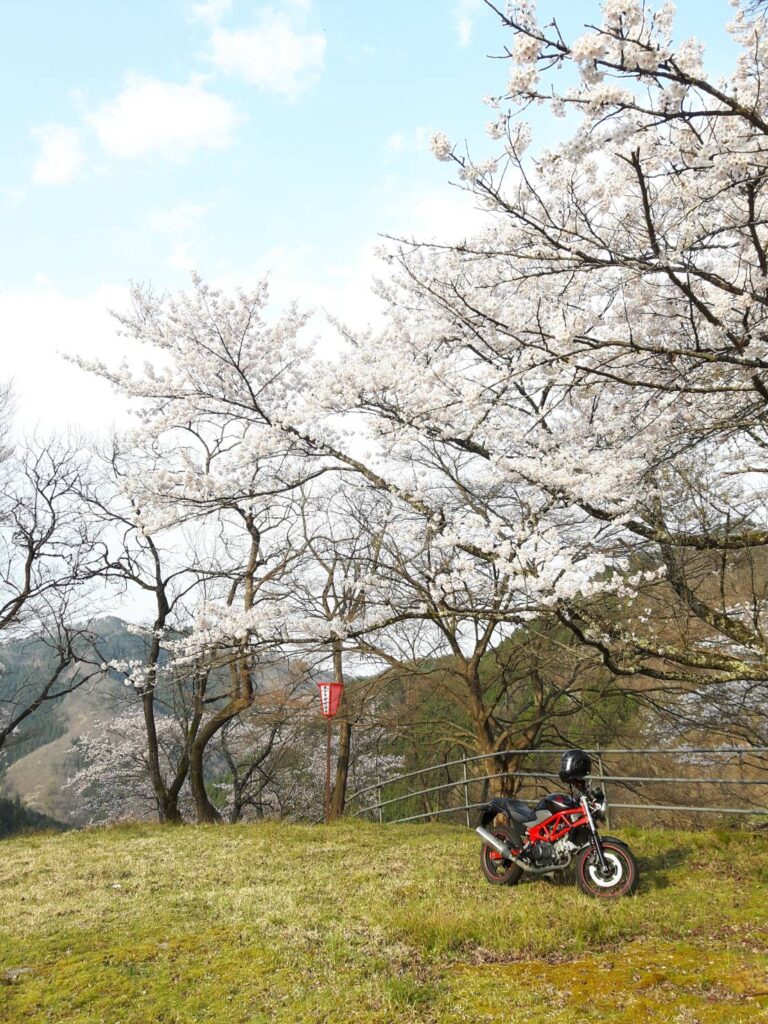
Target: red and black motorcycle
[[545, 839]]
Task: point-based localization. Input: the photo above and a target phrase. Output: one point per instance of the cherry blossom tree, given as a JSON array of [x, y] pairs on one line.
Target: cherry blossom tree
[[344, 526], [564, 414], [168, 571], [242, 432], [598, 351], [214, 452], [114, 780]]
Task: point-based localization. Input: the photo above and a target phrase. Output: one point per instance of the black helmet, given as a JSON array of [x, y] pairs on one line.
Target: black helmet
[[575, 766]]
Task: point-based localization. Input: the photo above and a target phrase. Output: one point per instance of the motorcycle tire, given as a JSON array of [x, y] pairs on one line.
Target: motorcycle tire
[[495, 869], [622, 879]]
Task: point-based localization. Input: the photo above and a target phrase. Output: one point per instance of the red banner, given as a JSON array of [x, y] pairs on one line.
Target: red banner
[[330, 697]]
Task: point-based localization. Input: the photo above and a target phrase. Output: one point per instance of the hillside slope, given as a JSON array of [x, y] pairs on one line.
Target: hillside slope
[[39, 758], [37, 778], [368, 925]]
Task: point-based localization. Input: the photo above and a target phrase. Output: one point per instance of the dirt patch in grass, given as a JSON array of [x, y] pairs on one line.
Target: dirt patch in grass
[[659, 983]]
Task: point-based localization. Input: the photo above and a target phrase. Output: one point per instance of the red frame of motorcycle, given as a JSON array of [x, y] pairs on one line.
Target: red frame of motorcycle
[[554, 827], [559, 825]]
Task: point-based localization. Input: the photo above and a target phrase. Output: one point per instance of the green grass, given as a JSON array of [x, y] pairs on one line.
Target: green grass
[[359, 923]]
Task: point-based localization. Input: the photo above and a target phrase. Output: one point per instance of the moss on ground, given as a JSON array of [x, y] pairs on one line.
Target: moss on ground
[[359, 923]]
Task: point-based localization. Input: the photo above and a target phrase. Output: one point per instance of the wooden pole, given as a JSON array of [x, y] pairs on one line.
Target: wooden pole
[[327, 770]]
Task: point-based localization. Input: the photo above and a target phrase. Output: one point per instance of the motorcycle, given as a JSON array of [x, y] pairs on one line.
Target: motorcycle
[[544, 840]]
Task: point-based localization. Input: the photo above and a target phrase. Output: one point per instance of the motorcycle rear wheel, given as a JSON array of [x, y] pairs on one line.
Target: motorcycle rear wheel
[[495, 869], [622, 876]]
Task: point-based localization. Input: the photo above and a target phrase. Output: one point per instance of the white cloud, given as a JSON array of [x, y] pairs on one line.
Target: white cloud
[[181, 218], [184, 257], [210, 11], [443, 215], [181, 223], [61, 154], [40, 323], [360, 54], [303, 274], [11, 199], [463, 15], [344, 289], [396, 143], [416, 140], [273, 55], [151, 117]]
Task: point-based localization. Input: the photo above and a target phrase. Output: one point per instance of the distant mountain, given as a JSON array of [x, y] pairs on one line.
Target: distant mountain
[[40, 757], [25, 662]]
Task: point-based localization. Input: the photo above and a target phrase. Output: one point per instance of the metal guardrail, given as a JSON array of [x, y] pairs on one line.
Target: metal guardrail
[[381, 808]]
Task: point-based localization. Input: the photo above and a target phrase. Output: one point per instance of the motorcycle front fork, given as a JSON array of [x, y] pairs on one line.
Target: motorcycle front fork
[[595, 836]]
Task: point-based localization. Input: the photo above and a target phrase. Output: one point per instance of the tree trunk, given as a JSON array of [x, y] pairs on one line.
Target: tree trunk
[[339, 794], [237, 806], [205, 812], [241, 692], [167, 799], [168, 811], [485, 738]]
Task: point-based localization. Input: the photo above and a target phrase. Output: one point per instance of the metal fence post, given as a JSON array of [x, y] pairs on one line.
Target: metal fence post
[[380, 796], [601, 776], [466, 788]]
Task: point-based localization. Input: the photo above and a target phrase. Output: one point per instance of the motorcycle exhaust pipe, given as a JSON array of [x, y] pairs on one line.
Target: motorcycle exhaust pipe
[[495, 844], [501, 848]]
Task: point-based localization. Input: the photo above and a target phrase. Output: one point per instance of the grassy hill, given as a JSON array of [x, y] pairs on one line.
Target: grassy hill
[[358, 923]]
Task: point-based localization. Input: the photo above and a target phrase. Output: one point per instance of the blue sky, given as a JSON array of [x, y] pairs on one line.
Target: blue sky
[[144, 138]]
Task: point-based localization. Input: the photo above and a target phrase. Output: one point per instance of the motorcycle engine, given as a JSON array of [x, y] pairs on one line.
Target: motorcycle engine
[[564, 848], [542, 854], [546, 854]]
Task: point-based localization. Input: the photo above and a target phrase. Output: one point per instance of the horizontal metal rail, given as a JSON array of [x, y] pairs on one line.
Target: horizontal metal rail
[[704, 810], [681, 778], [600, 777], [640, 807], [433, 814], [540, 751], [552, 775], [434, 789]]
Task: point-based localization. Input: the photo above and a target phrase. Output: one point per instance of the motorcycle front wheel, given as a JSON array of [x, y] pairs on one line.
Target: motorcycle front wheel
[[496, 869], [619, 878]]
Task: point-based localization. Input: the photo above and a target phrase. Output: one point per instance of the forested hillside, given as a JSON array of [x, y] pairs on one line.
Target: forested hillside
[[15, 818], [406, 721], [41, 754], [26, 661]]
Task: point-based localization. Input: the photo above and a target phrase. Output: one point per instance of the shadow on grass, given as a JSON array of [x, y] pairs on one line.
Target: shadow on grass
[[653, 869]]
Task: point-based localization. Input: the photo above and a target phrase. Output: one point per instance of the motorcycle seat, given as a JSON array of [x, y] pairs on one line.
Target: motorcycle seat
[[515, 810]]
